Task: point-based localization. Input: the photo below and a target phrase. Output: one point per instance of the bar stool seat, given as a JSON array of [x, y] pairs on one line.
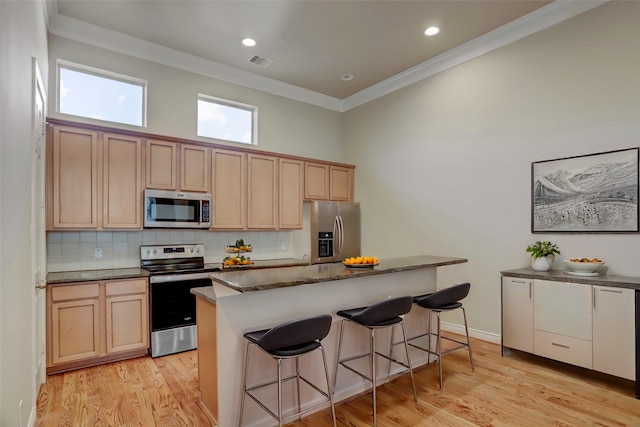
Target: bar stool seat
[[384, 314], [438, 302], [289, 340]]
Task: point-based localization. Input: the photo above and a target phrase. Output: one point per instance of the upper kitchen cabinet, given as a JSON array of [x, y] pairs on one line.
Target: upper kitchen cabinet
[[94, 180], [122, 182], [340, 183], [262, 192], [178, 167], [229, 189], [291, 192], [72, 178], [324, 181]]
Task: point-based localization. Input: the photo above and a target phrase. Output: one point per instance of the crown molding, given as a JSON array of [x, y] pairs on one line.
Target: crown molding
[[83, 32], [531, 23]]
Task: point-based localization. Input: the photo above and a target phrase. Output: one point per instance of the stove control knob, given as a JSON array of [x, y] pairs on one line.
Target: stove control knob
[[155, 251], [148, 251], [197, 250], [191, 250]]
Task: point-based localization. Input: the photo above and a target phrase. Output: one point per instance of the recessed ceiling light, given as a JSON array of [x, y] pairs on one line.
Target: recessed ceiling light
[[249, 42], [346, 77], [432, 31]]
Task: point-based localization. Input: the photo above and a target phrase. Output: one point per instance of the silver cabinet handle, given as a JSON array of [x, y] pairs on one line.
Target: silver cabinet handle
[[518, 281], [614, 291], [560, 345]]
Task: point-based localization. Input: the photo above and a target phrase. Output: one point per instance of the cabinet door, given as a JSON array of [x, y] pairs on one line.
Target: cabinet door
[[127, 315], [262, 193], [563, 308], [75, 178], [229, 189], [122, 183], [517, 313], [340, 183], [291, 192], [614, 331], [194, 167], [316, 181], [162, 165], [74, 316]]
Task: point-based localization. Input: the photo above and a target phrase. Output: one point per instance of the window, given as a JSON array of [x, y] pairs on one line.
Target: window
[[101, 95], [227, 120]]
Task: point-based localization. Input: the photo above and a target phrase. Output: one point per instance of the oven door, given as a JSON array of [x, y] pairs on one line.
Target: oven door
[[173, 313]]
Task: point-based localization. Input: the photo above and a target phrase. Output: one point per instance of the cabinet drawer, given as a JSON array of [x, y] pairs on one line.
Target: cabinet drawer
[[571, 324], [565, 349], [63, 293], [137, 286]]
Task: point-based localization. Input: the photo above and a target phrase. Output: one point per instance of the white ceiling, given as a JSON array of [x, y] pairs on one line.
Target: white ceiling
[[312, 43]]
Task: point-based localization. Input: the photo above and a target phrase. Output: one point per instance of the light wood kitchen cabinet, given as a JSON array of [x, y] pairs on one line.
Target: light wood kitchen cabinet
[[614, 331], [195, 168], [73, 179], [127, 315], [229, 189], [262, 192], [122, 182], [96, 322], [291, 193], [517, 313], [316, 181], [324, 181], [340, 184], [74, 317], [177, 167], [162, 165]]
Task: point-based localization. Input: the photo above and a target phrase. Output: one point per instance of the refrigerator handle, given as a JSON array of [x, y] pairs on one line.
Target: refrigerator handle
[[341, 235], [336, 231]]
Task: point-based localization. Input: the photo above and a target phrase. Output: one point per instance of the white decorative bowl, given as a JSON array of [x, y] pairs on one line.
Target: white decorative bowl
[[585, 267]]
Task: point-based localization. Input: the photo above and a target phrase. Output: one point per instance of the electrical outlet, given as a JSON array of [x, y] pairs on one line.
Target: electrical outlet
[[283, 246], [98, 253]]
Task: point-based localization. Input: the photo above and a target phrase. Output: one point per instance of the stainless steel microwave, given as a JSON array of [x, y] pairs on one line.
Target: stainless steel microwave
[[175, 209]]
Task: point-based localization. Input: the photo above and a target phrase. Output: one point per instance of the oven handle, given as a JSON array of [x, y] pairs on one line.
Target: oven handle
[[165, 278]]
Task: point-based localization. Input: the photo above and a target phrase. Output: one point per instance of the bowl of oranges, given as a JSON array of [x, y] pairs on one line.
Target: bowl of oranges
[[361, 262]]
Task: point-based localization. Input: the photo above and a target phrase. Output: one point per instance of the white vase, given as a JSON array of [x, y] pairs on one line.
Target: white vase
[[542, 263]]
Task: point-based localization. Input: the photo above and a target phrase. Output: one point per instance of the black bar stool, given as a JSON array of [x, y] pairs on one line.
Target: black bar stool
[[438, 302], [286, 341], [385, 314]]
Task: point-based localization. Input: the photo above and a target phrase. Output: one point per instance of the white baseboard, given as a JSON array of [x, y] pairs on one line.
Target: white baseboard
[[475, 333]]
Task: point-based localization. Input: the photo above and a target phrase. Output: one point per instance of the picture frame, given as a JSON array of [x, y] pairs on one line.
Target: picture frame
[[592, 193]]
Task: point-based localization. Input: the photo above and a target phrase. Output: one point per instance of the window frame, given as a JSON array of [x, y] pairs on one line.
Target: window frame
[[231, 104], [106, 74]]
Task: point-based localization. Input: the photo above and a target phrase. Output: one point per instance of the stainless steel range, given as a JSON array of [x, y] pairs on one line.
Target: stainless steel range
[[174, 270]]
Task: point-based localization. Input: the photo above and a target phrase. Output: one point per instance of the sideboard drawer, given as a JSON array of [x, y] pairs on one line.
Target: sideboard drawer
[[565, 349]]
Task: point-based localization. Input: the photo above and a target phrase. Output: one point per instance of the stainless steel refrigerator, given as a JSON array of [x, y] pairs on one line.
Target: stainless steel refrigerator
[[335, 231]]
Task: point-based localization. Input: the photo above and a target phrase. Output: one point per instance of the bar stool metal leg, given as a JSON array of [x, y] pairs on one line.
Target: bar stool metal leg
[[439, 349], [244, 382], [406, 350], [466, 330], [298, 386], [329, 392], [335, 372], [373, 370]]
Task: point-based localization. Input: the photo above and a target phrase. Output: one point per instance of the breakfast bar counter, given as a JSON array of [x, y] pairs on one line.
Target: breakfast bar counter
[[247, 299]]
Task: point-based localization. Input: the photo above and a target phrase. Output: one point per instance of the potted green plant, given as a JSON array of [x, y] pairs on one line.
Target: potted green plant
[[542, 255]]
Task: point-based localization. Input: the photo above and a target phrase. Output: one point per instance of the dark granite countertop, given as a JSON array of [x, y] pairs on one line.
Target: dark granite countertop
[[562, 276], [92, 275], [247, 280]]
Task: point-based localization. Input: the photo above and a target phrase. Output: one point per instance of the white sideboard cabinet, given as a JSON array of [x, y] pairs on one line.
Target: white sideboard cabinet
[[586, 325]]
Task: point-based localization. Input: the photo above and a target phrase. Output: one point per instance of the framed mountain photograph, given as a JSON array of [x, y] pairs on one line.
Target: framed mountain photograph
[[595, 193]]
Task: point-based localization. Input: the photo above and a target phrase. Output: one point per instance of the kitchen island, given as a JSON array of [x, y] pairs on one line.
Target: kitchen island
[[248, 299]]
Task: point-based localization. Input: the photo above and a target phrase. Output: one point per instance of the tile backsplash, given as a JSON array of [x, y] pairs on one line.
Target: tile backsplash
[[76, 250]]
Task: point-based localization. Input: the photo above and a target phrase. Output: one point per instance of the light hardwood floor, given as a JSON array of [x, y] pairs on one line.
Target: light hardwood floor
[[517, 390]]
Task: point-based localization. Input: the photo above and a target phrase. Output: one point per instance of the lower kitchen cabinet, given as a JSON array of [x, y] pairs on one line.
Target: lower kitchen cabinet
[[581, 324], [96, 322], [517, 313], [614, 331]]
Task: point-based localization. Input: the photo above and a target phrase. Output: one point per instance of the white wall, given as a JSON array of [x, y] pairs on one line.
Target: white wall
[[443, 166], [285, 126], [22, 36]]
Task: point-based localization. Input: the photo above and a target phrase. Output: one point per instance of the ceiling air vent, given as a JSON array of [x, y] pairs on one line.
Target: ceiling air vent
[[261, 61]]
